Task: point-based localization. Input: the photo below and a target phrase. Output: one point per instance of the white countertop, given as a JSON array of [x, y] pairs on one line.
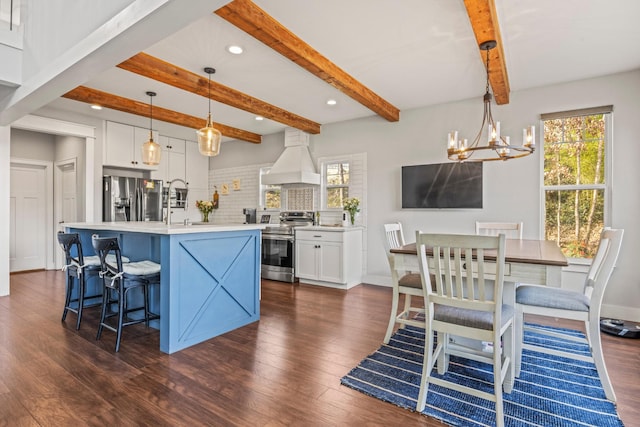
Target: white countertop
[[158, 227], [336, 228]]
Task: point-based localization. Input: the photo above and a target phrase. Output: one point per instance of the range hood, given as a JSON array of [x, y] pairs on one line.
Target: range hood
[[294, 166]]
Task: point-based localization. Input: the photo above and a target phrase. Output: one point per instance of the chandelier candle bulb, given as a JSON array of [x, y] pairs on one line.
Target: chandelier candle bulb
[[453, 139], [529, 136]]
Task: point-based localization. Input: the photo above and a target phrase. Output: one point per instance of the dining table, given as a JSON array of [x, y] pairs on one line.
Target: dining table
[[538, 262]]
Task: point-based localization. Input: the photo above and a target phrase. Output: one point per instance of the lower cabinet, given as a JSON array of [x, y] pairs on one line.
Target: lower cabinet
[[329, 257]]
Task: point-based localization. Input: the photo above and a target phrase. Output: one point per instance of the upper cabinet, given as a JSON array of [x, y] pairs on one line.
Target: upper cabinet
[[172, 162], [123, 146], [198, 167]]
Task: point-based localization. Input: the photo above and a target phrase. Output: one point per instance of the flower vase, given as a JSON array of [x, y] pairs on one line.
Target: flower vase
[[352, 218], [205, 216]]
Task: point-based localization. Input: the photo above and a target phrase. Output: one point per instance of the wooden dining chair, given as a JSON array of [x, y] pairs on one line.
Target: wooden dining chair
[[568, 304], [467, 303], [407, 283], [512, 230]]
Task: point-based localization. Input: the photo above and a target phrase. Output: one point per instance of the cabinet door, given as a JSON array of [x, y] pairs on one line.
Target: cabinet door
[[331, 263], [307, 259], [119, 145], [175, 159], [197, 166], [141, 136]]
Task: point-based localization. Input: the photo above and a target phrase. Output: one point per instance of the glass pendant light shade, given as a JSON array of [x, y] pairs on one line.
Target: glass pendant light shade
[[209, 138], [151, 150]]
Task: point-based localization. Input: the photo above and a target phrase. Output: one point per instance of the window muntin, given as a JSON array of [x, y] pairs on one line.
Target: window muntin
[[575, 183], [337, 183]]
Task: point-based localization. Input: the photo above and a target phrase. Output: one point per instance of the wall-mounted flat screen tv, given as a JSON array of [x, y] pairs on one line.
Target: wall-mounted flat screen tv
[[442, 186]]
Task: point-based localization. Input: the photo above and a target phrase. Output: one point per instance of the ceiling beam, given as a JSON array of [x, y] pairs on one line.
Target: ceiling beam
[[484, 21], [115, 102], [245, 15], [157, 69]]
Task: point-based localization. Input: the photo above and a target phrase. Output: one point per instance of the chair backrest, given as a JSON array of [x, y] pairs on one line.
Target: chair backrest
[[454, 261], [394, 237], [512, 230], [74, 257], [105, 246], [602, 265]]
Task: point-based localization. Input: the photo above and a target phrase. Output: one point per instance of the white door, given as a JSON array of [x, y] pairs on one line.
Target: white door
[[65, 199], [27, 235]]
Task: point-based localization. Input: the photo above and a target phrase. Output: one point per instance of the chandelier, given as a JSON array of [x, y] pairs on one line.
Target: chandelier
[[209, 137], [151, 150], [497, 147]]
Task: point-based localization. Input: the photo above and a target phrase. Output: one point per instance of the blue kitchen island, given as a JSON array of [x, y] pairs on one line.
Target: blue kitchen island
[[209, 279]]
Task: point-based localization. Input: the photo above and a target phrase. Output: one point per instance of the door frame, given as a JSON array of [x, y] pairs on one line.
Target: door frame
[[58, 254], [48, 171]]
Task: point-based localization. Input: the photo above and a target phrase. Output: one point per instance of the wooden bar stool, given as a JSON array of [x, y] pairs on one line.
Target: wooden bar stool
[[77, 267], [120, 278]]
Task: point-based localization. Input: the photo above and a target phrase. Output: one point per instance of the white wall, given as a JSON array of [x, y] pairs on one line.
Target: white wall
[[511, 189]]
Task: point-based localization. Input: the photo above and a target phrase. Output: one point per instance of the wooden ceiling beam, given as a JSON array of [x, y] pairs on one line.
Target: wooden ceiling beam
[[157, 69], [245, 15], [484, 21], [115, 102]]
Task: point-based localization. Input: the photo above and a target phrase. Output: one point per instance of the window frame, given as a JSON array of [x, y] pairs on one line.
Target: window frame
[[607, 112], [262, 202], [325, 185]]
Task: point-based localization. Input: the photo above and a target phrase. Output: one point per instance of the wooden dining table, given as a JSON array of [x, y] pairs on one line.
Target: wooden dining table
[[536, 262]]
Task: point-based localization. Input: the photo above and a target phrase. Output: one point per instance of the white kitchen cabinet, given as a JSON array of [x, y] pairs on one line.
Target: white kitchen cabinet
[[329, 256], [123, 146], [172, 162], [197, 173]]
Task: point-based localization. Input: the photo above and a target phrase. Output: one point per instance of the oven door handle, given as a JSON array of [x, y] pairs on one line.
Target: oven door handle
[[277, 237]]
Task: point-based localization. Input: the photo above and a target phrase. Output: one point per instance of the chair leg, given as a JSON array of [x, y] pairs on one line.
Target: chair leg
[[508, 355], [106, 297], [122, 307], [598, 358], [82, 284], [145, 289], [427, 366], [67, 300], [518, 326], [394, 312]]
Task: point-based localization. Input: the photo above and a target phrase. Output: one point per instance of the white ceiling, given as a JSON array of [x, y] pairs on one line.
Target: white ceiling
[[412, 53]]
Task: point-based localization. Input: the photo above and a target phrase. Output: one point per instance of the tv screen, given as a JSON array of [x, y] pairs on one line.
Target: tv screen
[[442, 185]]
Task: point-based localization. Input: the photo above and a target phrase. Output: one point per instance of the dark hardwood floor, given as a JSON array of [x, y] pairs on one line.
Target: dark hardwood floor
[[283, 370]]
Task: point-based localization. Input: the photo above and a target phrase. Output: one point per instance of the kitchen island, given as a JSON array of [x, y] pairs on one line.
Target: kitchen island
[[209, 280]]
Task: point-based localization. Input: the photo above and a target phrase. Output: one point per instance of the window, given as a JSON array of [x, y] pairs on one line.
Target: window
[[576, 184], [270, 195], [336, 183]]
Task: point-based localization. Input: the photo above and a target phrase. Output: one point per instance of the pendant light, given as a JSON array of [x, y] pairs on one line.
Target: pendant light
[[209, 137], [151, 151], [497, 147]]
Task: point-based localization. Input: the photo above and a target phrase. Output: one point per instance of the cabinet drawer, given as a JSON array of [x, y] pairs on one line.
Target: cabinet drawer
[[320, 236]]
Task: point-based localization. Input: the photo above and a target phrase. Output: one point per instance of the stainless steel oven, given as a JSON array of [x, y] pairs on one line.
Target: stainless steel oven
[[278, 246]]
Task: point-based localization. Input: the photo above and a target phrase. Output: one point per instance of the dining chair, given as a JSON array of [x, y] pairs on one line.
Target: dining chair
[[573, 305], [121, 278], [467, 303], [407, 283], [512, 230]]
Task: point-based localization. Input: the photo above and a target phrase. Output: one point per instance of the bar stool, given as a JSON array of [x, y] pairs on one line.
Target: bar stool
[[77, 268], [120, 278]]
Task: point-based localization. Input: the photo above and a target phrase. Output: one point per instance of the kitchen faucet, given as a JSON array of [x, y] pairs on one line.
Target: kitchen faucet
[[169, 197]]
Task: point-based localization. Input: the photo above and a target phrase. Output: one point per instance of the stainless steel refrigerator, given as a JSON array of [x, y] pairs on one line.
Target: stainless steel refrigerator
[[131, 199]]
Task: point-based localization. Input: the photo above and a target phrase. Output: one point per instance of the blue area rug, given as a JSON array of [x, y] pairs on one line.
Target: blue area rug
[[551, 390]]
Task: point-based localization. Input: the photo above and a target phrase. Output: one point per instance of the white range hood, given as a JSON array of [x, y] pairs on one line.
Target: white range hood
[[294, 166]]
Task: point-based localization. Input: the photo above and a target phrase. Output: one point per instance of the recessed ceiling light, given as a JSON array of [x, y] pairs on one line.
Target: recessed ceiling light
[[235, 49], [259, 118], [331, 102], [96, 107]]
